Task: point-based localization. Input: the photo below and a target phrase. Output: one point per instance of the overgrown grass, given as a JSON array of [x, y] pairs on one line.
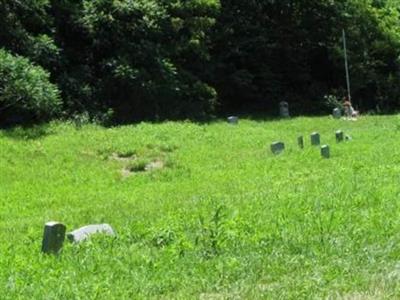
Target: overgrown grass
[[222, 219]]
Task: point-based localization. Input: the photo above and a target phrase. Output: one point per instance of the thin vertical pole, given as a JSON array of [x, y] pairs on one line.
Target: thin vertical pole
[[346, 64]]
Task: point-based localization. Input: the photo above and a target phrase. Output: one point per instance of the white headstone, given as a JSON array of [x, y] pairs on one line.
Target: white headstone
[[85, 232], [233, 120], [348, 137], [337, 113]]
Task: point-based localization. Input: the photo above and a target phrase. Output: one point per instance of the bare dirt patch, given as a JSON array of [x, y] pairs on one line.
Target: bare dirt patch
[[132, 162], [141, 166], [155, 165]]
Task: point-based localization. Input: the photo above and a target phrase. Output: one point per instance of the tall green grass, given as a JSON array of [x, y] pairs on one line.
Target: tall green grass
[[222, 219]]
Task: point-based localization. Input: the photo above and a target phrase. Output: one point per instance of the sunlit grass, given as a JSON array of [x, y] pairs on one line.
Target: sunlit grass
[[220, 216]]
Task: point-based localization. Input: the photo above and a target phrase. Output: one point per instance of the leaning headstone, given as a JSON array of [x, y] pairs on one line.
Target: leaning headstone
[[315, 139], [284, 109], [233, 120], [53, 237], [300, 142], [337, 113], [277, 147], [325, 151], [85, 232], [339, 136]]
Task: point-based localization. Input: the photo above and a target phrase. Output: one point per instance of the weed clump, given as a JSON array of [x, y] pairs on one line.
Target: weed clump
[[138, 165]]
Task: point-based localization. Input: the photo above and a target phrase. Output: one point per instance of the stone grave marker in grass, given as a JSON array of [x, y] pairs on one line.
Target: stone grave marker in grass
[[300, 142], [315, 139], [53, 237], [325, 151], [284, 109], [277, 147], [337, 113], [339, 136], [85, 232], [233, 120]]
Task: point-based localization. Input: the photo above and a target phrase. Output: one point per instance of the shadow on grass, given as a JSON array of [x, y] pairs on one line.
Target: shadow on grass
[[26, 132], [202, 121]]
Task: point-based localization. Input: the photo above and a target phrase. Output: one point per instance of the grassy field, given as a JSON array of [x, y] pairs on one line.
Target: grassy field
[[203, 211]]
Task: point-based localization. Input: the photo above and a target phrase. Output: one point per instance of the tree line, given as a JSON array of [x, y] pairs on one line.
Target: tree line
[[129, 60]]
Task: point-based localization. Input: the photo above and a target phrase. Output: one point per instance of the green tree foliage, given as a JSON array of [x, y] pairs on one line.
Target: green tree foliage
[[26, 93], [26, 29], [144, 59], [374, 50], [169, 59], [268, 51]]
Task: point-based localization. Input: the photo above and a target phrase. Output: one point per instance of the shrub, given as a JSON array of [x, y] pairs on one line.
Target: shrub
[[142, 59], [26, 93]]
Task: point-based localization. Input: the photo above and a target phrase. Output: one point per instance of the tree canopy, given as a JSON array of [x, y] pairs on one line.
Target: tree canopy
[[132, 60]]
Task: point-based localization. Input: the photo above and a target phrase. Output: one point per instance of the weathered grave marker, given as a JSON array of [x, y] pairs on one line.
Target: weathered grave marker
[[53, 237], [233, 120], [325, 152], [300, 142], [85, 232], [284, 109], [277, 147], [337, 113], [339, 136], [348, 137], [315, 139]]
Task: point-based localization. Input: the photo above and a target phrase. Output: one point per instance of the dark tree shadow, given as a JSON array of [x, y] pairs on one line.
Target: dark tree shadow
[[32, 132]]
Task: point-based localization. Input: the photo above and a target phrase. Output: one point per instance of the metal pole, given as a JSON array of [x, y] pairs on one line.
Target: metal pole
[[346, 64]]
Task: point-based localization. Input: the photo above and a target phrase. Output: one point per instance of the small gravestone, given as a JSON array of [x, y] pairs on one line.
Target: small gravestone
[[300, 142], [284, 109], [277, 147], [325, 151], [337, 113], [315, 139], [53, 237], [339, 136], [233, 120], [85, 232]]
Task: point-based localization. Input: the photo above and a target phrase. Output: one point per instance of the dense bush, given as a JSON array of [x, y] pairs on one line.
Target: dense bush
[[143, 59], [27, 29], [26, 93]]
